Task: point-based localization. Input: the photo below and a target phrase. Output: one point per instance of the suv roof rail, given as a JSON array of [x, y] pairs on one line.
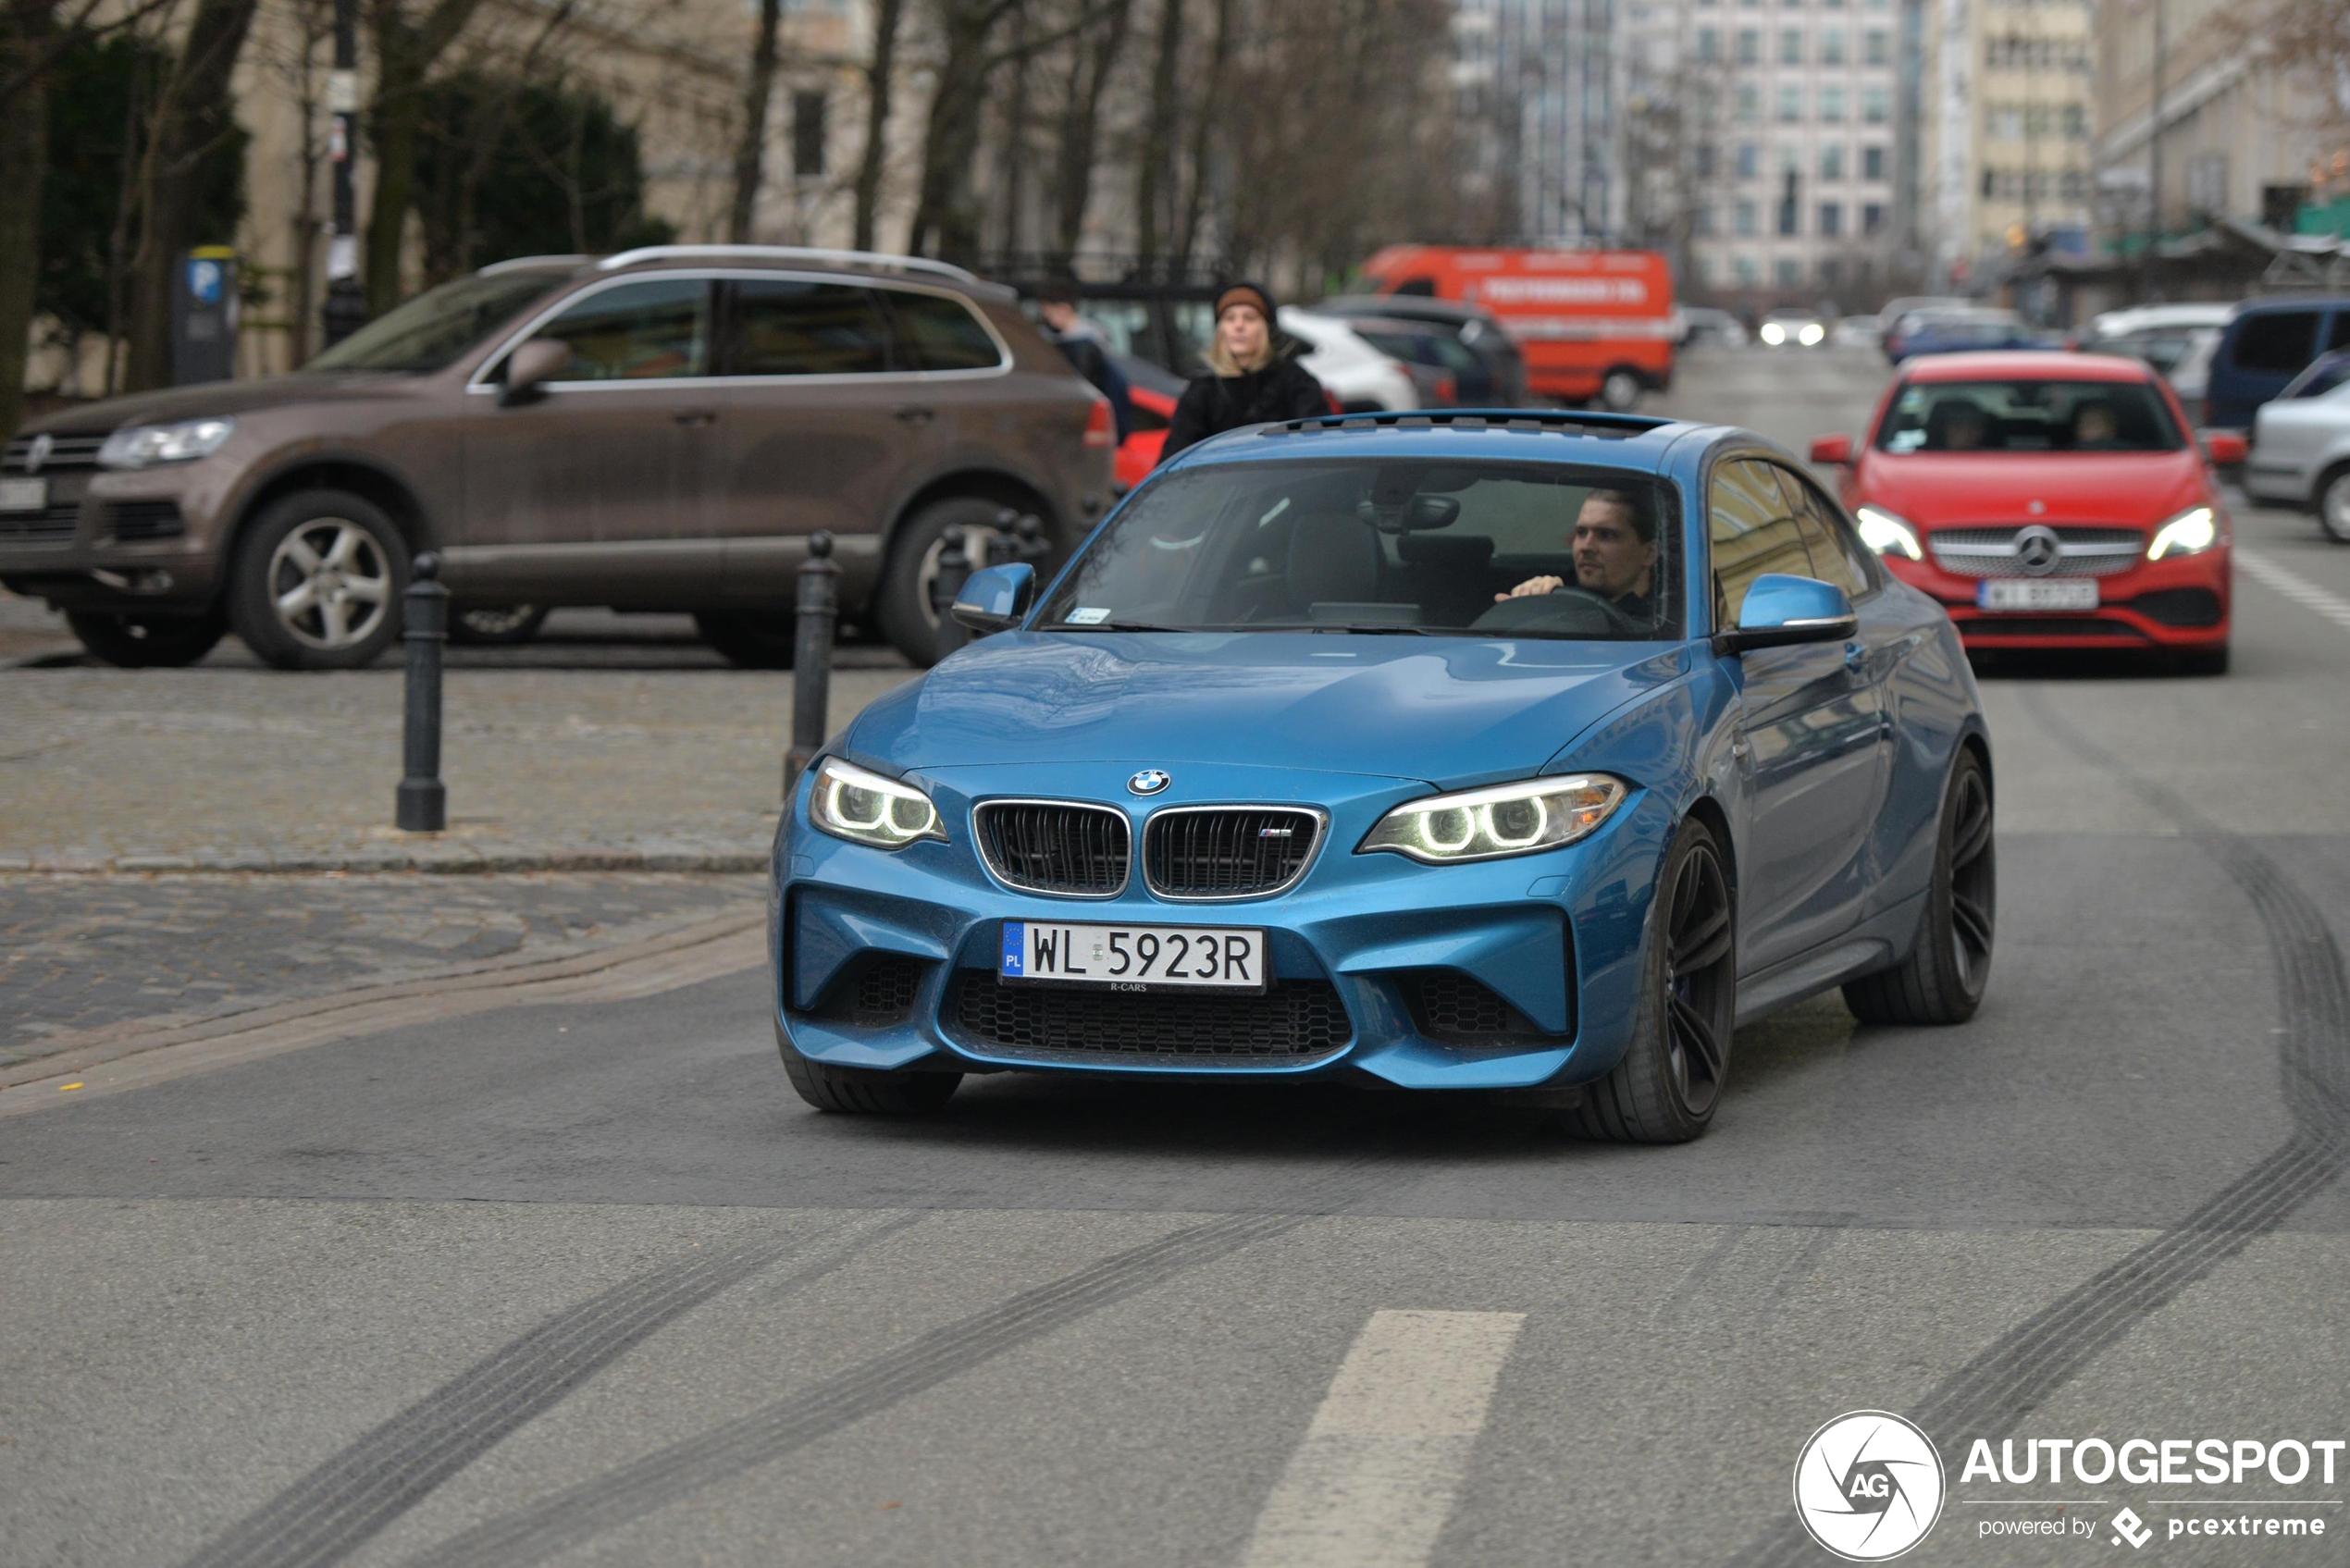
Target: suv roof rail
[[1527, 420], [516, 263], [783, 253]]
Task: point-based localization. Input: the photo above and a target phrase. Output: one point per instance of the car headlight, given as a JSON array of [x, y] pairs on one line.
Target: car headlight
[[1486, 824], [865, 808], [1813, 334], [1773, 334], [2191, 532], [1886, 534], [144, 446]]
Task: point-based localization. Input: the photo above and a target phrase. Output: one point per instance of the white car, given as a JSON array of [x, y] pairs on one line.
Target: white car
[[2301, 448], [1358, 375], [1791, 327]]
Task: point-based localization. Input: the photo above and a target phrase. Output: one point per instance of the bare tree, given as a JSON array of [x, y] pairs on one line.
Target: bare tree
[[750, 156], [887, 17], [1203, 122], [24, 156], [406, 51], [1155, 178], [1093, 55]]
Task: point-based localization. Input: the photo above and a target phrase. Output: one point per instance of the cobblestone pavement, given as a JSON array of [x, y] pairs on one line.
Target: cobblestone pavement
[[81, 953]]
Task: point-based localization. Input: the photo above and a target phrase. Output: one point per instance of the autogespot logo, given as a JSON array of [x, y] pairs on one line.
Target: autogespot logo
[[1868, 1485]]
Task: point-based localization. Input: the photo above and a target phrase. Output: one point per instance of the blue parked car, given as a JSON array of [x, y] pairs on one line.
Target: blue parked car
[[2266, 345], [1962, 331], [1474, 751]]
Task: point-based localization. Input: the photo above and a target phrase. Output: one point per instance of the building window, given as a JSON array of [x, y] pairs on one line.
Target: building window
[[1873, 163], [1832, 163], [1750, 46], [2076, 122], [1790, 103], [1786, 272], [1791, 219], [808, 135], [1831, 220], [1790, 162], [1749, 160], [1709, 44], [1742, 217], [1791, 46], [1832, 46], [1875, 105], [2003, 122], [1702, 220], [1872, 217], [1749, 102], [1876, 48], [1832, 103], [1705, 160], [1829, 271], [2076, 185], [1747, 272]]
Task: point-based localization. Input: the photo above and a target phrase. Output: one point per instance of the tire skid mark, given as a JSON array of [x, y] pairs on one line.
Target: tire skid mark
[[578, 1513], [343, 1503], [2016, 1373]]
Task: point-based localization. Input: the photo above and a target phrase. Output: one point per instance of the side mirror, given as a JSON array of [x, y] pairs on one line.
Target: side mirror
[[1835, 451], [1780, 609], [529, 368], [2225, 447], [996, 599]]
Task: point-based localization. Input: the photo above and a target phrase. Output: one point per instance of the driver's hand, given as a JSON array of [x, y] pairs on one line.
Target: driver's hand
[[1533, 585]]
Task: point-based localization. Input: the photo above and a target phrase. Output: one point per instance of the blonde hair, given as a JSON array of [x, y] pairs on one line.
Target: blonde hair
[[1219, 359]]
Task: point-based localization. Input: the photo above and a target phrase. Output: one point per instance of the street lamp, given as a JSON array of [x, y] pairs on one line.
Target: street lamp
[[345, 309]]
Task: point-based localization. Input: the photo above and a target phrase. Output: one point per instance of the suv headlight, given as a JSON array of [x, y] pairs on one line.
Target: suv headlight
[[1885, 533], [865, 808], [1486, 824], [144, 446], [2191, 532]]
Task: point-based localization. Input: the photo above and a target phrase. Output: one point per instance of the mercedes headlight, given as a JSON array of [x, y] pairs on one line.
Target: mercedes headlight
[[865, 808], [1886, 534], [144, 446], [2190, 532], [1486, 824]]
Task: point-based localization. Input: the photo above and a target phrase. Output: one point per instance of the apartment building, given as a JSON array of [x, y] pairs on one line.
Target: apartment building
[[2011, 110], [1537, 85]]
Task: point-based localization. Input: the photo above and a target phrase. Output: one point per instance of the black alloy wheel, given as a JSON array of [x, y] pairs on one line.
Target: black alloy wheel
[[1943, 978], [136, 639], [1667, 1086]]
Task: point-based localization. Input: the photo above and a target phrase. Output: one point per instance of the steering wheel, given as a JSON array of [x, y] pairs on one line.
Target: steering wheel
[[1571, 612]]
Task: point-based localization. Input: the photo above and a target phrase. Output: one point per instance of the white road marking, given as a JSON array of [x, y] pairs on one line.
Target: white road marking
[[1377, 1475], [2303, 592]]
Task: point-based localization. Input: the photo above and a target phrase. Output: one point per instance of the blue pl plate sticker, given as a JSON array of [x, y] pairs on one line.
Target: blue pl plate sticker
[[1088, 616], [1015, 946]]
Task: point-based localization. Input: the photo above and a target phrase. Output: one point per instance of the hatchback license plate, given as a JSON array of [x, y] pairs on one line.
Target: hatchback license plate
[[24, 495], [1134, 957], [2010, 593]]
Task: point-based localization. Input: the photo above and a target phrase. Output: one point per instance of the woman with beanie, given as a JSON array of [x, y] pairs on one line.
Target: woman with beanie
[[1249, 381]]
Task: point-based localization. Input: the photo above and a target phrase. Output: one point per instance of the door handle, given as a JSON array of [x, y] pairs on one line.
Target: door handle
[[917, 415], [696, 416]]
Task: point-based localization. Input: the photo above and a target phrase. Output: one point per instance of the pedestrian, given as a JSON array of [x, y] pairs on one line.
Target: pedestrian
[[1085, 347], [1252, 378]]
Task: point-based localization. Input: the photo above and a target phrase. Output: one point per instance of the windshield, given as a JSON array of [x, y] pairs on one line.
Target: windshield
[[431, 330], [2325, 373], [1398, 548], [2040, 417]]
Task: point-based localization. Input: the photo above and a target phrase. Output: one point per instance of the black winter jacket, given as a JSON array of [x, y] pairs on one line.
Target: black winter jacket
[[1213, 404]]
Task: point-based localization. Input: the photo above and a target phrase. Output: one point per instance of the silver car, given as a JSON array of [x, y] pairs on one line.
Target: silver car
[[2301, 446]]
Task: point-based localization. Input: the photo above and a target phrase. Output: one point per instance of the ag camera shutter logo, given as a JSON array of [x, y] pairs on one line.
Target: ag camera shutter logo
[[1868, 1485]]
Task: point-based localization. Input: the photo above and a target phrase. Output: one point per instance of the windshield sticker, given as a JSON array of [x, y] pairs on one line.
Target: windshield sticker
[[1087, 616]]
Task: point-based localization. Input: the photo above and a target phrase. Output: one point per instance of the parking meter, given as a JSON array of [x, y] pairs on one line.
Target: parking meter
[[204, 316]]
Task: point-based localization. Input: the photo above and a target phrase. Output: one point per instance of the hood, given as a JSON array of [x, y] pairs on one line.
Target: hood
[[214, 399], [2115, 490], [1445, 711]]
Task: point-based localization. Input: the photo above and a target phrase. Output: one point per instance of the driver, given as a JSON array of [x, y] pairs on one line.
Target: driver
[[1615, 546]]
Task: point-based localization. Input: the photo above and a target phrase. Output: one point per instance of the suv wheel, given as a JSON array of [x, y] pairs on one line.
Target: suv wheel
[[749, 639], [504, 625], [901, 604], [142, 640], [317, 580]]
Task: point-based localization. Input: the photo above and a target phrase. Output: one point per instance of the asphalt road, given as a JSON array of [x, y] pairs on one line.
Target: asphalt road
[[588, 1285]]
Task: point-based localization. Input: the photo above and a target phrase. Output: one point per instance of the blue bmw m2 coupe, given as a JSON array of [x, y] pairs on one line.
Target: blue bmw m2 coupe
[[1484, 752]]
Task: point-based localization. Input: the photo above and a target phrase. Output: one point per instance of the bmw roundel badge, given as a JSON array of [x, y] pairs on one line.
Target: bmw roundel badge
[[1150, 781]]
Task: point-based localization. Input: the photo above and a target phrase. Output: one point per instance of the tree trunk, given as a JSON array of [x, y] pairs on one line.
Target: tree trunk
[[1011, 165], [750, 158], [1159, 134], [947, 213], [405, 51], [1202, 139], [1081, 119], [24, 158], [886, 16], [193, 114]]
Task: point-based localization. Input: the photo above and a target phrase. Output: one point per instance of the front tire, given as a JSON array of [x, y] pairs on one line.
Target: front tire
[[901, 604], [1667, 1086], [1620, 390], [1942, 979], [865, 1091], [135, 639], [2334, 506], [508, 625], [317, 580]]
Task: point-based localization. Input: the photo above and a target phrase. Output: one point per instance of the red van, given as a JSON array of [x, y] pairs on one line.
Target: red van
[[1595, 326]]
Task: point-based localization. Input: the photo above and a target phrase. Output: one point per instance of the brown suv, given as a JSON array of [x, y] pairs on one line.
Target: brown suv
[[656, 430]]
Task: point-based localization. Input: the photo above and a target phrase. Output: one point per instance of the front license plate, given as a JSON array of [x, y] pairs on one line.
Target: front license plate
[[1134, 957], [24, 495], [2014, 592]]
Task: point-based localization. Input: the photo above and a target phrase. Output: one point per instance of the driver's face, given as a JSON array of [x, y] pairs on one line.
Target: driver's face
[[1609, 559]]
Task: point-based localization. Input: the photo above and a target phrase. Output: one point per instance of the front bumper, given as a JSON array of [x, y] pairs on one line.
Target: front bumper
[[2181, 603], [139, 540], [1555, 937]]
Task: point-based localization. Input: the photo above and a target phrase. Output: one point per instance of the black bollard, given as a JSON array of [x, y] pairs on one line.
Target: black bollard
[[423, 800], [955, 565], [1029, 531], [812, 672], [1003, 548]]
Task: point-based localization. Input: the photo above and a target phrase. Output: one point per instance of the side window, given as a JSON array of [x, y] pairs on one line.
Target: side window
[[655, 330], [2339, 337], [935, 332], [1753, 532], [2280, 341], [782, 328], [1828, 537]]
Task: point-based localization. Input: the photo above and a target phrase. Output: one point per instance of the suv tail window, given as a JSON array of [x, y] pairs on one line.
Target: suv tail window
[[936, 332], [2280, 341], [785, 328], [648, 331]]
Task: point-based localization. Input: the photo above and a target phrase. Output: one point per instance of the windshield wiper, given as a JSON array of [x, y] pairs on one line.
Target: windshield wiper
[[1122, 626], [1374, 628]]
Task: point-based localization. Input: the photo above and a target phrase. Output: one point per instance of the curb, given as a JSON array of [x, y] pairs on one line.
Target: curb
[[449, 859]]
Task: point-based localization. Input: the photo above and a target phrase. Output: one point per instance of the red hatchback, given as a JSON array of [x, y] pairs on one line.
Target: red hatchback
[[2048, 501]]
